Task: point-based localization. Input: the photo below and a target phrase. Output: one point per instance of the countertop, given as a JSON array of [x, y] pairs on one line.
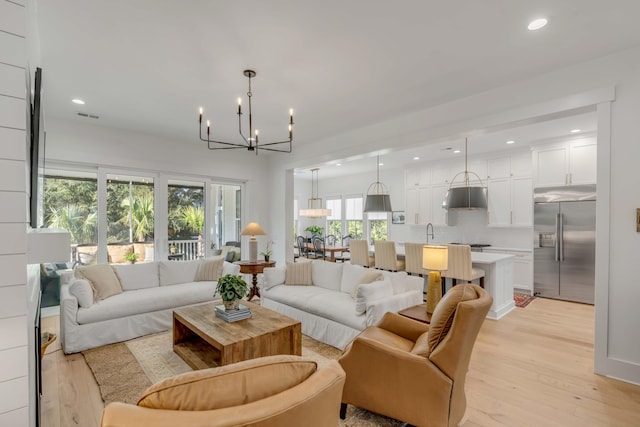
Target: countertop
[[488, 258]]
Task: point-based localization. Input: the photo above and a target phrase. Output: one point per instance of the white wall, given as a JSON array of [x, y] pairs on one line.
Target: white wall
[[617, 349], [14, 333]]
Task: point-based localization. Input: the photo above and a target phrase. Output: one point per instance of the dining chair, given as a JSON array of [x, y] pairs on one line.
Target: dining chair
[[413, 258], [359, 250], [318, 247], [330, 240], [345, 255], [460, 267], [302, 247], [386, 257]]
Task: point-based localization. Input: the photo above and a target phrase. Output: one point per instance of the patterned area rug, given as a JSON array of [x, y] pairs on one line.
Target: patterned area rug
[[522, 300], [124, 370]]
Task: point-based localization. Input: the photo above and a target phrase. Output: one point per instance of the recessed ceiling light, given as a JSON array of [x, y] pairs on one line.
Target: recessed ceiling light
[[536, 24], [510, 142], [77, 101], [380, 164], [416, 158], [456, 151], [338, 164], [575, 130]]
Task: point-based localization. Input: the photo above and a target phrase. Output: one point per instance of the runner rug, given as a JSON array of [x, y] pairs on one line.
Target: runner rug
[[522, 300], [124, 370]]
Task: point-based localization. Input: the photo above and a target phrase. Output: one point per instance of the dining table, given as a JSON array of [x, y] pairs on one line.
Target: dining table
[[331, 249]]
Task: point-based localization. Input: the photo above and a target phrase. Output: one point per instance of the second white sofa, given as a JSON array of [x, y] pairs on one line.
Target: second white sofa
[[329, 309]]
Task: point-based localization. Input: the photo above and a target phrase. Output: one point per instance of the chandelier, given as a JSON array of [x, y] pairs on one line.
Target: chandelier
[[315, 209], [377, 195], [251, 143]]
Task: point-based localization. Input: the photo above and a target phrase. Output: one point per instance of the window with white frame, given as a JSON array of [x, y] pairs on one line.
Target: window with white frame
[[334, 221], [353, 216], [377, 226]]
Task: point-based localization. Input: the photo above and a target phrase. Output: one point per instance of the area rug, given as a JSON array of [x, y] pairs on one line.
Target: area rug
[[522, 300], [124, 370]]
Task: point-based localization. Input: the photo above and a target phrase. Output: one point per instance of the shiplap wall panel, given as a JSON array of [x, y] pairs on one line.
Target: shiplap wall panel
[[14, 207], [14, 270], [13, 49], [12, 176], [13, 240], [12, 81], [15, 418], [14, 364], [12, 301], [14, 333], [12, 18], [13, 113], [13, 144], [15, 394]]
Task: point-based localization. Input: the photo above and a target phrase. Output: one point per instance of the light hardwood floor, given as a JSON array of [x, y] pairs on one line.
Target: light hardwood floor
[[534, 367]]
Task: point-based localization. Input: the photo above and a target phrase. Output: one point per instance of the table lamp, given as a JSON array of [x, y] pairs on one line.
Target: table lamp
[[435, 259], [253, 229]]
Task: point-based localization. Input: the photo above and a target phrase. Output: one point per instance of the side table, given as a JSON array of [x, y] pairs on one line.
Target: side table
[[417, 312], [254, 268]]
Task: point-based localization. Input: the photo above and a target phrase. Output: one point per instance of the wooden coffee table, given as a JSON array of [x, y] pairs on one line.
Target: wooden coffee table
[[203, 340]]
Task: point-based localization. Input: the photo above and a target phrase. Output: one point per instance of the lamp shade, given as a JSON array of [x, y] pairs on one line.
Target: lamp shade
[[253, 229], [466, 198], [435, 257], [377, 203]]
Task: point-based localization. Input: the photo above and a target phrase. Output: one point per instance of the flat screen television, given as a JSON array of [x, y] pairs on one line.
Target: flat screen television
[[37, 149]]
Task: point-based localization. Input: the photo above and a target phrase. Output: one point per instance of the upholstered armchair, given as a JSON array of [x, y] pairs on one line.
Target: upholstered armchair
[[266, 392], [415, 372]]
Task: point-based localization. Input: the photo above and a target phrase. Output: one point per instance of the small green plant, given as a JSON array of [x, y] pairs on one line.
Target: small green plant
[[268, 251], [133, 257], [231, 288], [315, 230]]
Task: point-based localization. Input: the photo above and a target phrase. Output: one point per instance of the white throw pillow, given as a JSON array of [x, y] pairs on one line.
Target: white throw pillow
[[175, 272], [229, 268], [274, 276], [399, 280], [81, 289], [326, 274], [137, 276], [368, 276], [351, 273], [371, 292], [298, 274]]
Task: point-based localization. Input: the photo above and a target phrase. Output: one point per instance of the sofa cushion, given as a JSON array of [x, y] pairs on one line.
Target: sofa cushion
[[326, 274], [226, 386], [137, 276], [117, 253], [147, 300], [366, 277], [81, 289], [402, 282], [274, 276], [103, 280], [228, 268], [298, 273], [209, 269], [174, 272], [230, 253], [350, 275], [371, 292]]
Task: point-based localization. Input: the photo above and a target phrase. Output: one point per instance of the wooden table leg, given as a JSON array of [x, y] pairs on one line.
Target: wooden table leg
[[254, 291]]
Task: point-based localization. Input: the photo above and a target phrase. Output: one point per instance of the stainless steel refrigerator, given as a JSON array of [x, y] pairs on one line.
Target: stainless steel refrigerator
[[565, 243]]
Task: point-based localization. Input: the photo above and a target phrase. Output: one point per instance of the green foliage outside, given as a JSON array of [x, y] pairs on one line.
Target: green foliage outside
[[71, 204], [354, 228], [335, 227], [378, 229]]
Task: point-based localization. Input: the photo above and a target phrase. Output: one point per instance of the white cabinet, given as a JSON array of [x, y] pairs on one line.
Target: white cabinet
[[417, 177], [418, 205], [571, 163], [438, 214], [510, 191], [522, 267], [441, 174]]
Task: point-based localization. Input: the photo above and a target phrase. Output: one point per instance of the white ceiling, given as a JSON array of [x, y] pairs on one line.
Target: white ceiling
[[148, 65]]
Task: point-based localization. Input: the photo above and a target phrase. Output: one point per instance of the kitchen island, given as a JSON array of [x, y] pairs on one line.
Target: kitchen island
[[498, 280]]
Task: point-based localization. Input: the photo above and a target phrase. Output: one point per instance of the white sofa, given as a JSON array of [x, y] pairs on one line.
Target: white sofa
[[150, 292], [327, 310]]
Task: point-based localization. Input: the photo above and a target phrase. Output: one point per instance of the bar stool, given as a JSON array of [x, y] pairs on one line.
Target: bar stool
[[460, 267], [360, 253], [413, 258], [385, 256]]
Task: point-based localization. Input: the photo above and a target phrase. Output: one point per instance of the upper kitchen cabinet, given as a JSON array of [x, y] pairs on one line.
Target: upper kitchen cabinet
[[510, 192], [569, 163], [417, 177]]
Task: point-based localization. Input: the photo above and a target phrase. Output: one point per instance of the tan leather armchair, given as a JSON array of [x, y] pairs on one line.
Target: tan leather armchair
[[415, 372], [267, 392]]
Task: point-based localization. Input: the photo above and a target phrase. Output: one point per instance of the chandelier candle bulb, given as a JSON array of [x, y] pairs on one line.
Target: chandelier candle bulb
[[201, 115], [239, 105]]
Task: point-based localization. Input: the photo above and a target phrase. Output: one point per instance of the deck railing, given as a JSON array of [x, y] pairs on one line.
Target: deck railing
[[190, 249]]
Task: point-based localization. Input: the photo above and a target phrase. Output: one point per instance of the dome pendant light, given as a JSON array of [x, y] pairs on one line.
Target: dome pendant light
[[463, 195], [377, 195], [315, 209]]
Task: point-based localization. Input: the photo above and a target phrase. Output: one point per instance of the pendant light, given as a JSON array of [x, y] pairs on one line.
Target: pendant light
[[463, 195], [315, 209], [377, 195]]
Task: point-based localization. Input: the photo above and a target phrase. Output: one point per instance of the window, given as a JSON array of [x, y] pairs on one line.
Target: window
[[130, 215], [334, 221], [185, 200], [377, 223], [353, 216], [226, 212]]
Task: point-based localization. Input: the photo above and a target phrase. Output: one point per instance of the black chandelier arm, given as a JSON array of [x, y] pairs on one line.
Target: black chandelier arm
[[288, 141], [211, 141], [275, 149], [235, 146]]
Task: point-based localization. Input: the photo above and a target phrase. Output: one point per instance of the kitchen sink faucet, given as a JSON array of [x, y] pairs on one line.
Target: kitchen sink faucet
[[432, 236]]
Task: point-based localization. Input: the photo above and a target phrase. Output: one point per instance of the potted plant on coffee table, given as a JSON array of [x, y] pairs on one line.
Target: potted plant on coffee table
[[231, 289]]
